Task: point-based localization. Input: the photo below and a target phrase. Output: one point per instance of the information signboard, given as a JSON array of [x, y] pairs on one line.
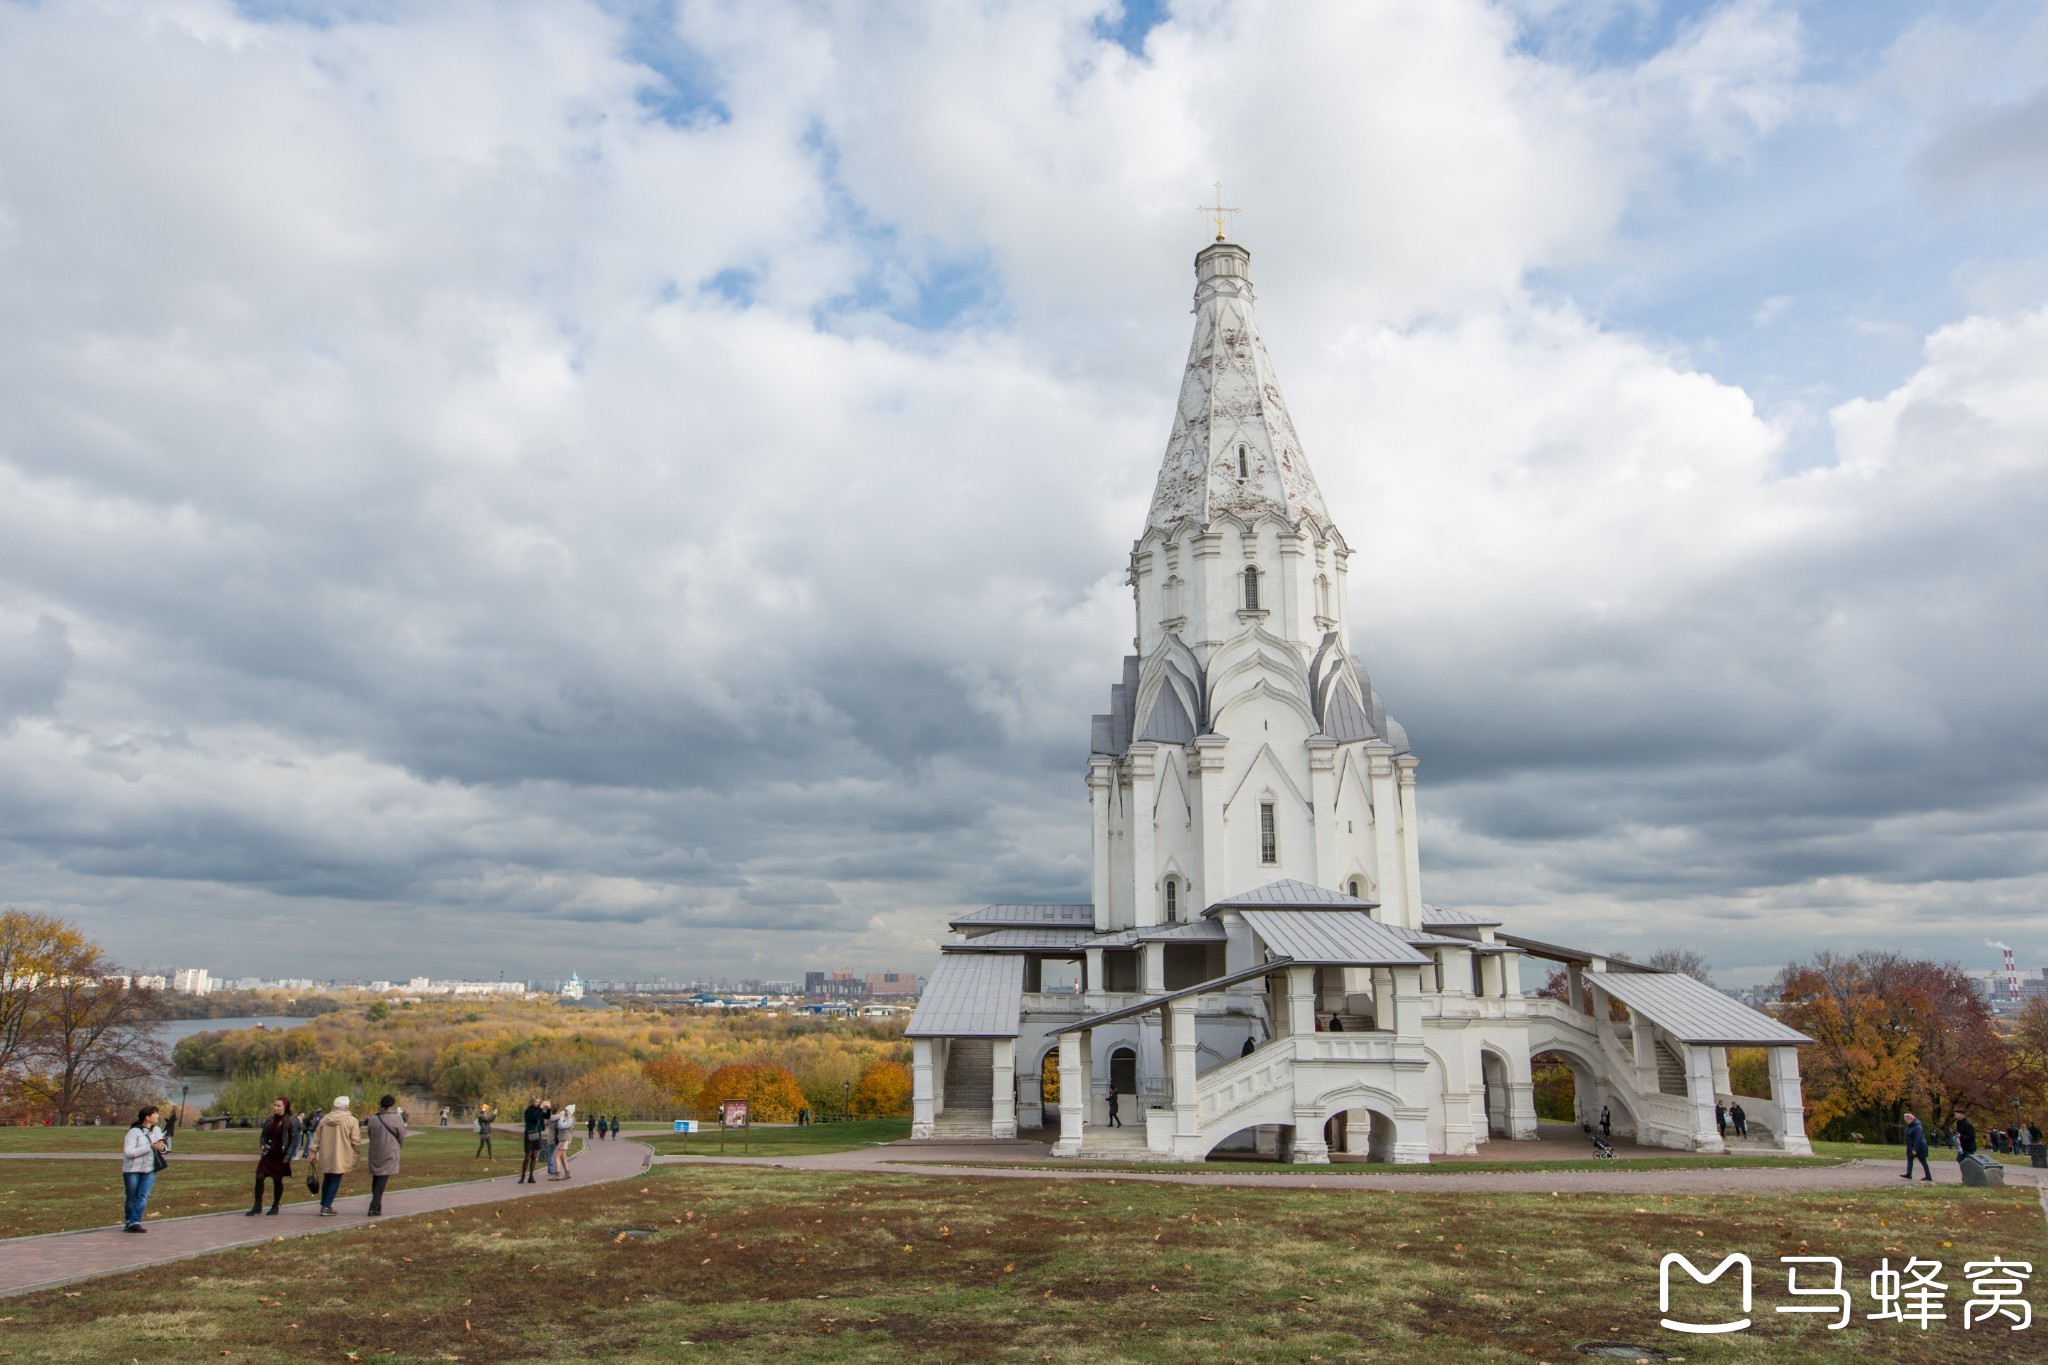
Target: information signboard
[[733, 1114]]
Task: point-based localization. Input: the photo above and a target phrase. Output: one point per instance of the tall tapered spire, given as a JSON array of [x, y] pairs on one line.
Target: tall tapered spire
[[1233, 450]]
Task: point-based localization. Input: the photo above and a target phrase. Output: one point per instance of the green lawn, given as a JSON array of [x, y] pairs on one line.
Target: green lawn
[[58, 1196], [1897, 1152], [758, 1264], [782, 1140]]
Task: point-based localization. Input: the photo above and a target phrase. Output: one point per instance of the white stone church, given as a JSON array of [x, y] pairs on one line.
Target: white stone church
[[1259, 969]]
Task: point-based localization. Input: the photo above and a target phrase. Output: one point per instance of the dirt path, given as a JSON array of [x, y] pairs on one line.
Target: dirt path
[[28, 1263]]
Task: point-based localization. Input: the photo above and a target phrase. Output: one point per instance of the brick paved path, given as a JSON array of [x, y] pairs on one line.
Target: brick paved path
[[56, 1258]]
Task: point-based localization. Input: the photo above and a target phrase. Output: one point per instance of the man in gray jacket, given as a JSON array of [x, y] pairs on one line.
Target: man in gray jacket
[[1916, 1146], [387, 1135]]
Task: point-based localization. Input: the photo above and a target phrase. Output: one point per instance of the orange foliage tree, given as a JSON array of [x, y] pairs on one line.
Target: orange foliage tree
[[882, 1091], [679, 1078], [770, 1091], [1889, 1032]]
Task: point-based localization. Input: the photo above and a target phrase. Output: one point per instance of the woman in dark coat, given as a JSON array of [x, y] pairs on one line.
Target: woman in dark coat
[[280, 1136]]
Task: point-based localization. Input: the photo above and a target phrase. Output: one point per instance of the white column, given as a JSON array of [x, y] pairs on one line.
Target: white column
[[1180, 1029], [1092, 989], [1073, 1096], [1101, 791], [1152, 967], [1322, 786], [1144, 828], [1411, 843], [1301, 1000], [1789, 1100], [1521, 1096], [1699, 1087], [922, 1115], [1207, 771], [1721, 1085], [1386, 836], [1003, 1095]]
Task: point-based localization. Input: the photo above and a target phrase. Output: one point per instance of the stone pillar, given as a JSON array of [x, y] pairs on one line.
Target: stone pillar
[[1144, 829], [1521, 1097], [1152, 968], [1301, 1000], [1699, 1088], [1357, 1131], [923, 1116], [1180, 1035], [1322, 786], [1308, 1147], [1386, 835], [1721, 1085], [1457, 971], [1003, 1093], [1213, 874], [1575, 987], [1101, 792], [1092, 989], [1030, 1098], [1789, 1100], [1511, 976], [1407, 1011], [1411, 844], [1073, 1096]]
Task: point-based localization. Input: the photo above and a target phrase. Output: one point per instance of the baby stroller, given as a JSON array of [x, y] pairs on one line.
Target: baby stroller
[[1602, 1149]]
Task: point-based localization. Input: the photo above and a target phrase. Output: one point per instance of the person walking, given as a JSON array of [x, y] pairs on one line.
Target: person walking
[[535, 1122], [483, 1132], [142, 1148], [336, 1141], [1916, 1146], [565, 1137], [590, 1128], [1721, 1117], [1966, 1137], [444, 1116], [1114, 1121], [279, 1139], [1606, 1122], [549, 1133], [387, 1135], [1739, 1119]]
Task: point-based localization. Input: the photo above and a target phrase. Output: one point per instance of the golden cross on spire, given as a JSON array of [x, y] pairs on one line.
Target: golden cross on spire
[[1216, 210]]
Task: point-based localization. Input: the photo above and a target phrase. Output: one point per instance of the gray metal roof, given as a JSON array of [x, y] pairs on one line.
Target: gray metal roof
[[1350, 937], [1692, 1011], [1290, 894], [1440, 915], [971, 995], [1025, 916], [1422, 938], [1555, 952], [1021, 941], [1200, 931]]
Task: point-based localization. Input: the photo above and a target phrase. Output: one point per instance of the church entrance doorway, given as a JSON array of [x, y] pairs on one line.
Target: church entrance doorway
[[1123, 1076]]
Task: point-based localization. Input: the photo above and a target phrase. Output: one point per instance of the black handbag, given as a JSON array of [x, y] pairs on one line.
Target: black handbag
[[157, 1160]]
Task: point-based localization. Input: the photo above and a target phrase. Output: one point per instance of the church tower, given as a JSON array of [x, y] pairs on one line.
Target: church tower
[[1244, 744]]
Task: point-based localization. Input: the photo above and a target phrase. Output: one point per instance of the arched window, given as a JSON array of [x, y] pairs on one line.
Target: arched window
[[1322, 595], [1169, 598], [1244, 465], [1269, 835], [1356, 889], [1172, 901], [1123, 1071], [1251, 587]]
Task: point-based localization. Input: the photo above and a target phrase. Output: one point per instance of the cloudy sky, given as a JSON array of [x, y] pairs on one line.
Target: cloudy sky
[[642, 488]]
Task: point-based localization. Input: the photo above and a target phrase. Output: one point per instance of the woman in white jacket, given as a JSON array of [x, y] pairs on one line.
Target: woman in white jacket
[[138, 1165]]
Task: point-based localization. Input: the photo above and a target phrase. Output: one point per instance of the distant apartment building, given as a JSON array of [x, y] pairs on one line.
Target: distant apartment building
[[192, 981], [421, 985], [892, 983]]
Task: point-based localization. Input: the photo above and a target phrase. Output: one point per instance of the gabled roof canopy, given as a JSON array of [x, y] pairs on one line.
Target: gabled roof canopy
[[1349, 938], [1289, 894], [1026, 916], [1694, 1012]]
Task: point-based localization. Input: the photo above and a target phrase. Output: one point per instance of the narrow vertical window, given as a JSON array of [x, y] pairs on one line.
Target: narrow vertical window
[[1269, 838], [1244, 467], [1354, 890], [1251, 588], [1172, 902]]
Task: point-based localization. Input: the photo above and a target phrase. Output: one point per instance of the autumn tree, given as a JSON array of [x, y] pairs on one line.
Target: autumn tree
[[94, 1048], [1892, 1032], [678, 1078], [1687, 961], [882, 1091], [35, 952], [770, 1091]]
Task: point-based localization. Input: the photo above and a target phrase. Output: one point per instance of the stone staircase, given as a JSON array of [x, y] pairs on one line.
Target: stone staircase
[[1670, 1071], [1115, 1144], [970, 1090]]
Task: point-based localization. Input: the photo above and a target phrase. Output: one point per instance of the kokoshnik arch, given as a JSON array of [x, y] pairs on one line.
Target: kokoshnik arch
[[1258, 968]]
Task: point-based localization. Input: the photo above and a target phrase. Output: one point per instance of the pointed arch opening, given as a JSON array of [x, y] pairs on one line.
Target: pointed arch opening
[[1251, 587]]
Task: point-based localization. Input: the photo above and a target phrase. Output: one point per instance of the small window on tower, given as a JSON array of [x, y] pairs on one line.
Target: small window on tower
[[1269, 838], [1251, 588], [1172, 902], [1354, 890], [1244, 466]]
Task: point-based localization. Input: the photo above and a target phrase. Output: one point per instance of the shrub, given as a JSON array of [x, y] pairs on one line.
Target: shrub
[[678, 1078], [770, 1091], [883, 1090]]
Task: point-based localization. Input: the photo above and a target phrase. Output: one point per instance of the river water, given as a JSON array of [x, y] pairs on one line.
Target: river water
[[204, 1084]]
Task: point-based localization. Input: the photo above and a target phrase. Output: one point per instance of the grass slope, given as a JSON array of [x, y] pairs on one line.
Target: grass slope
[[781, 1140], [743, 1263]]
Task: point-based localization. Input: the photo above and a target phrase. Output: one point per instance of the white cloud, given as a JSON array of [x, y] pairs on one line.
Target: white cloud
[[396, 520]]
